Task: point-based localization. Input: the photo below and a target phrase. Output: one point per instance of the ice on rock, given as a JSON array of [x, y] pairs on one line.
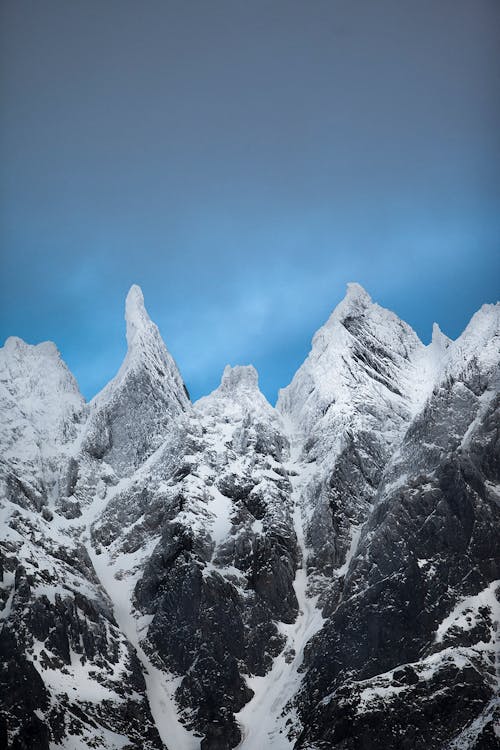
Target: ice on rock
[[136, 317], [479, 344], [136, 412], [146, 352], [439, 339], [35, 372], [241, 376], [366, 377], [360, 360], [40, 411], [355, 301], [237, 394]]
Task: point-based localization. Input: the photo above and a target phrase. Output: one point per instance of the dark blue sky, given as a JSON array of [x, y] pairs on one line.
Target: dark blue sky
[[242, 161]]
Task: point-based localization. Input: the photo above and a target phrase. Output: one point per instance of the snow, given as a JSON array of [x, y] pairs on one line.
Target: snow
[[355, 537], [148, 362], [7, 583], [371, 694], [263, 719], [484, 403], [480, 342], [494, 489], [98, 736], [40, 413], [44, 421], [335, 393], [381, 688], [136, 318], [241, 376], [460, 657], [469, 736], [257, 526], [38, 393], [237, 395], [466, 612], [118, 577], [160, 686], [439, 340], [77, 680], [220, 508]]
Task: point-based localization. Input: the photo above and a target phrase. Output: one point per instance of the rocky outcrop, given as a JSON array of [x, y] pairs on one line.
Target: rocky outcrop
[[135, 412]]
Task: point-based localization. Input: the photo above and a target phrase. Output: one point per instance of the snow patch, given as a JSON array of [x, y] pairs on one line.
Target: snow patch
[[465, 614]]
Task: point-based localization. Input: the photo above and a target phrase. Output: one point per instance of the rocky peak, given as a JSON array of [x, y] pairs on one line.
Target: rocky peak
[[360, 356], [137, 319], [18, 358], [38, 389], [479, 344], [40, 413], [146, 350], [357, 316], [355, 302], [17, 347], [238, 395], [439, 339], [136, 411], [239, 377]]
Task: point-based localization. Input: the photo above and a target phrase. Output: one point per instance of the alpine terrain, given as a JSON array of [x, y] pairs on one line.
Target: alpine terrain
[[320, 575]]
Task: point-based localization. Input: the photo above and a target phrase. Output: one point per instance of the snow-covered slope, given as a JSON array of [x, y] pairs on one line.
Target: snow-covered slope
[[428, 546], [227, 574], [40, 399], [365, 378], [360, 364], [40, 413]]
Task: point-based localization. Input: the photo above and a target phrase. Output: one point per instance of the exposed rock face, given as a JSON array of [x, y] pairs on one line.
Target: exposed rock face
[[428, 549], [320, 575], [223, 570]]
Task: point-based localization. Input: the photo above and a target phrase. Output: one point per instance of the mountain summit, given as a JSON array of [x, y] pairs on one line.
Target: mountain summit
[[225, 574], [133, 415]]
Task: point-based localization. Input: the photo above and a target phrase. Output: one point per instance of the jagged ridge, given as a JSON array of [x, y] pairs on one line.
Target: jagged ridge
[[229, 574]]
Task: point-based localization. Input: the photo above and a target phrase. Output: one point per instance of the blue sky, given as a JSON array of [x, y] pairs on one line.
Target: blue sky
[[242, 162]]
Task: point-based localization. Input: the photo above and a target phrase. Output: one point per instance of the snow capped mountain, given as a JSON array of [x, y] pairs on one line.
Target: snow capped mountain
[[323, 574], [132, 416], [364, 357], [41, 410], [366, 376], [41, 392], [426, 555]]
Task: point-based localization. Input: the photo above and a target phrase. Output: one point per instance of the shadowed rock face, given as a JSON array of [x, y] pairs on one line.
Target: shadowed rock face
[[164, 564]]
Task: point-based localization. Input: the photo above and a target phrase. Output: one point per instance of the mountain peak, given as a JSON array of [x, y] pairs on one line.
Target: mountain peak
[[360, 356], [480, 342], [439, 338], [240, 376], [136, 316], [238, 393], [355, 293], [14, 343], [354, 304], [146, 348], [138, 409], [144, 340], [18, 347]]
